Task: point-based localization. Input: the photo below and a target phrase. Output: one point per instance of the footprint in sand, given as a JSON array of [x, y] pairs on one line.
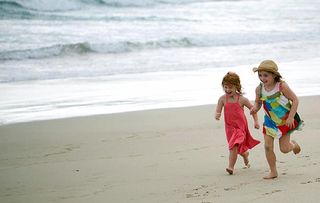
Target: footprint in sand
[[273, 191], [317, 180], [198, 191], [192, 195], [133, 135], [307, 182], [67, 148], [229, 189]]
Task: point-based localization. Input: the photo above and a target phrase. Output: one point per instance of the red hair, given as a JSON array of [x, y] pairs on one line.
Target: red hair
[[231, 78]]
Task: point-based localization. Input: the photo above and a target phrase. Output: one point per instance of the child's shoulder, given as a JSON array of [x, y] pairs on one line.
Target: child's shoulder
[[283, 84], [243, 98], [222, 98], [259, 88]]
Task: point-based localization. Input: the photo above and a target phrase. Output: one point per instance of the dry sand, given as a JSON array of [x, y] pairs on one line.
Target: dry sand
[[166, 155]]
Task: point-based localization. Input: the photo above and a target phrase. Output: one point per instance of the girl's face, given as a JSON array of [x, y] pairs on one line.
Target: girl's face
[[230, 90], [266, 77]]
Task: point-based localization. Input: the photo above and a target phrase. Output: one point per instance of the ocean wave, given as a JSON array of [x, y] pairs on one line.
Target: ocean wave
[[62, 5], [59, 9], [148, 3], [234, 39], [15, 9], [46, 52], [83, 48], [39, 5]]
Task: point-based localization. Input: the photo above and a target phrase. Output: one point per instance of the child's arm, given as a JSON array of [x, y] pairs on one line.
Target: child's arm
[[219, 108], [248, 104], [287, 92], [257, 104], [256, 121]]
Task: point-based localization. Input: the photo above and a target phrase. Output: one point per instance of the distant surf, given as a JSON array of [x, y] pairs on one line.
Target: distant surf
[[234, 39]]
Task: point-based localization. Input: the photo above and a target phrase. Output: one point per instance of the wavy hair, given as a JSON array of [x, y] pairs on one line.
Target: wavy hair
[[231, 78]]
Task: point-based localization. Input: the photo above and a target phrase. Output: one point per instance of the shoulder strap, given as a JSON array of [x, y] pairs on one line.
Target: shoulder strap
[[227, 98], [260, 89], [280, 86]]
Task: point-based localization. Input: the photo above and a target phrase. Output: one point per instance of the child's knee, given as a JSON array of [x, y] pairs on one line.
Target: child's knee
[[268, 148], [285, 149]]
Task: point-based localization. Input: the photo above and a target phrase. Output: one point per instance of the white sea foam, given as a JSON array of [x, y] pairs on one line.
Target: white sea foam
[[122, 93]]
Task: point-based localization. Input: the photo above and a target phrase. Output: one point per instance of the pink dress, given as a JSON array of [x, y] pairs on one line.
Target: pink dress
[[236, 127]]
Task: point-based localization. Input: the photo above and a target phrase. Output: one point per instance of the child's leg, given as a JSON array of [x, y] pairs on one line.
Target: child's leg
[[271, 157], [233, 155], [296, 148], [245, 157], [287, 146]]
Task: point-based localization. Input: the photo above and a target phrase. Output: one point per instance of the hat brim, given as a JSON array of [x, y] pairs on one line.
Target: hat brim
[[255, 69]]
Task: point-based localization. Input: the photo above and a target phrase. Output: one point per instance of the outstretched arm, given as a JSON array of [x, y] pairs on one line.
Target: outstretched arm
[[257, 104], [248, 104], [287, 92], [219, 108]]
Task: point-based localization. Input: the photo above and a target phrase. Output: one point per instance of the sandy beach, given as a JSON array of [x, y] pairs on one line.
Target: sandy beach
[[165, 155]]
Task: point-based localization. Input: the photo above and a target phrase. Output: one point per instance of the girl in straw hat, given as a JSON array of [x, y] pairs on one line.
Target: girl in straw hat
[[281, 118], [236, 125]]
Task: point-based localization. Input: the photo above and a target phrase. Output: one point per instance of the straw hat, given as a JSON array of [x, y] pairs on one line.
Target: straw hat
[[269, 66]]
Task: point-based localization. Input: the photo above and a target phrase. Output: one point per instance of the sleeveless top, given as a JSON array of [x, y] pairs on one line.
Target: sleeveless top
[[277, 108], [236, 127]]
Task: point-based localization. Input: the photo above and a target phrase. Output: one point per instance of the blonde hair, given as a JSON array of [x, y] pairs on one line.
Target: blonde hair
[[231, 78]]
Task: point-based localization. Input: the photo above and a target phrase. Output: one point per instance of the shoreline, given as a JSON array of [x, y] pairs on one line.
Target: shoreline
[[125, 112], [82, 97], [164, 155]]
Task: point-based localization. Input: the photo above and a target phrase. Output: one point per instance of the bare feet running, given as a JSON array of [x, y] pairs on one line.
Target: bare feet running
[[270, 176], [296, 148], [230, 171], [245, 156]]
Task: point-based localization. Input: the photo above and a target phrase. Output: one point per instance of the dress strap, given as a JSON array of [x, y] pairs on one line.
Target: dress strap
[[227, 99], [238, 98], [260, 89], [280, 86]]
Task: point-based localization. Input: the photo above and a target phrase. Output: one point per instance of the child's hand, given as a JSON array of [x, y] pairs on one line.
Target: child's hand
[[290, 122], [218, 115], [256, 125], [253, 110]]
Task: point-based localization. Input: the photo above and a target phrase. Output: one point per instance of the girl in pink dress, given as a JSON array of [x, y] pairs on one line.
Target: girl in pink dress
[[236, 126]]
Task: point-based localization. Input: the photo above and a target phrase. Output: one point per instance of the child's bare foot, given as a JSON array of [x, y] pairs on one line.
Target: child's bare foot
[[271, 176], [296, 148], [229, 170], [246, 159]]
